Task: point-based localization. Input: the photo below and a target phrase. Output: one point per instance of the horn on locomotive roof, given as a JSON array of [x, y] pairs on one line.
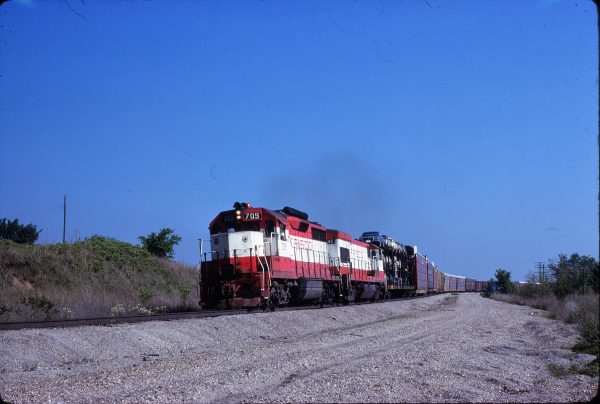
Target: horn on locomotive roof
[[241, 205], [295, 212]]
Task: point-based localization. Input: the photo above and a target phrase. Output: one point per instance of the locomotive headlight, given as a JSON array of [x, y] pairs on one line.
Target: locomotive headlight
[[238, 214]]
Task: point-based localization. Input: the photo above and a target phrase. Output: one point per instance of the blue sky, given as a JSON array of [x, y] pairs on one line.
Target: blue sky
[[467, 128]]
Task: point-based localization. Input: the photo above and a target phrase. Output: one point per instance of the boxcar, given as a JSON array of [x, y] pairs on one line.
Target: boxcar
[[421, 272], [430, 276]]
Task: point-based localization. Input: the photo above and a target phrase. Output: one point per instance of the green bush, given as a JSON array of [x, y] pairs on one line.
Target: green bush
[[557, 370], [139, 309], [118, 311], [159, 310], [161, 244], [38, 302], [591, 369], [19, 233], [184, 291], [146, 293]]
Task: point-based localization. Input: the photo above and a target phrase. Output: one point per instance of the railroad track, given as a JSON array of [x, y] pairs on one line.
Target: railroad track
[[108, 321]]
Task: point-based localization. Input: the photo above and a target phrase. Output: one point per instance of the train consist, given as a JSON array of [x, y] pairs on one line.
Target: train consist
[[266, 258]]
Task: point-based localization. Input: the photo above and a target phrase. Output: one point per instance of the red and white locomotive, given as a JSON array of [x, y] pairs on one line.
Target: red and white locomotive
[[265, 258]]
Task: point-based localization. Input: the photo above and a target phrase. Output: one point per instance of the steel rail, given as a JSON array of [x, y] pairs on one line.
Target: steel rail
[[109, 321]]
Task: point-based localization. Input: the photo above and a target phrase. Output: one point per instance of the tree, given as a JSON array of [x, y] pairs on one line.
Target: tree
[[19, 233], [577, 273], [161, 244], [503, 279]]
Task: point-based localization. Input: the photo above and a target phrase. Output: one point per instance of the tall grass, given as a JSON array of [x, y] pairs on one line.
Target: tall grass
[[579, 309], [89, 279]]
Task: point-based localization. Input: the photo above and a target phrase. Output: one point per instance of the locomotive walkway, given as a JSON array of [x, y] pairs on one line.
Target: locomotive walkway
[[451, 348]]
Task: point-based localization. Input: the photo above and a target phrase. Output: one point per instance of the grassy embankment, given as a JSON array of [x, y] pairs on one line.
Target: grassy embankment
[[582, 310], [97, 277]]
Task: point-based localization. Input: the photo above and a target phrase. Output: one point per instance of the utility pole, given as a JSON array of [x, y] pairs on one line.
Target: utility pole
[[65, 219], [544, 272], [541, 267]]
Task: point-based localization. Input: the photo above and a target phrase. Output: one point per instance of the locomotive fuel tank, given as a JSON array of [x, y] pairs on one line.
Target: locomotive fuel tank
[[370, 292], [310, 289]]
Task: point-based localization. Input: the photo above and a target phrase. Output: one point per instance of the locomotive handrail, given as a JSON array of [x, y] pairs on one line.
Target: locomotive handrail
[[268, 269], [199, 269], [204, 254], [266, 263], [335, 262], [262, 275], [295, 259]]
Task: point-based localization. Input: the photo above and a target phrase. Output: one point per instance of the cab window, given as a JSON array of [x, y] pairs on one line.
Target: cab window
[[282, 231], [344, 255], [269, 228]]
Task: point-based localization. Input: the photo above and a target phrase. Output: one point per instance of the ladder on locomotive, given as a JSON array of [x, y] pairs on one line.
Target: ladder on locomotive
[[257, 248]]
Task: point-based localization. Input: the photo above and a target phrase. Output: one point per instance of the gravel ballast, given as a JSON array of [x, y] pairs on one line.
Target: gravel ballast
[[442, 348]]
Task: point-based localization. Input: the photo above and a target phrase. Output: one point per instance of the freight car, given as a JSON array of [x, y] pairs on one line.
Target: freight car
[[454, 283], [403, 266], [407, 271], [472, 285], [266, 258]]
